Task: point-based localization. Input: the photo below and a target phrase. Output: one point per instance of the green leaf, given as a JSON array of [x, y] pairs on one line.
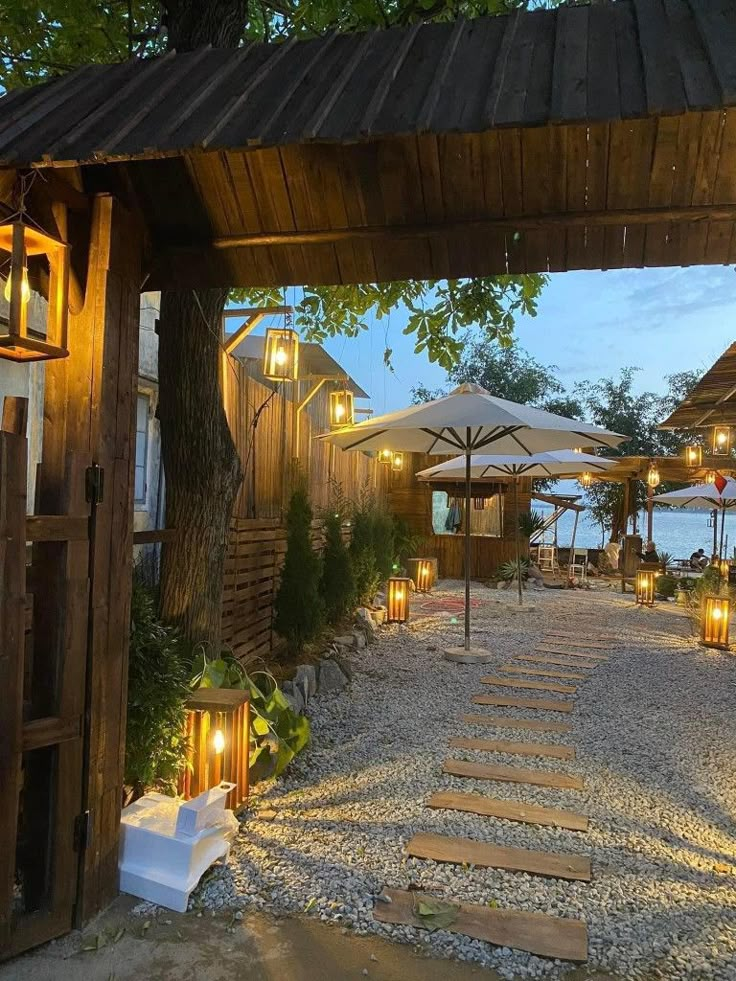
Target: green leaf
[[436, 914]]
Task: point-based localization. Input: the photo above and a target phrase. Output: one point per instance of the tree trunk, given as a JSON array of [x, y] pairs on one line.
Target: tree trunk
[[201, 465]]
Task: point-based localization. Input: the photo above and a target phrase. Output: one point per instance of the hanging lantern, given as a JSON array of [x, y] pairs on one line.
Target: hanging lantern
[[577, 449], [694, 456], [721, 441], [21, 246], [724, 566], [653, 475], [398, 599], [397, 461], [281, 355], [385, 457], [714, 624], [585, 479], [644, 587], [710, 477], [342, 408]]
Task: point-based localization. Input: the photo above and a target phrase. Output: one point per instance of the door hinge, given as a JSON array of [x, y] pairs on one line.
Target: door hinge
[[82, 830], [95, 484]]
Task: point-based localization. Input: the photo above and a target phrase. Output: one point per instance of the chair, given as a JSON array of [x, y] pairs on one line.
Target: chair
[[547, 558], [578, 565]]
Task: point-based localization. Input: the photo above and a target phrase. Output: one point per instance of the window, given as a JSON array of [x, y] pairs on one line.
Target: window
[[447, 515], [141, 449]]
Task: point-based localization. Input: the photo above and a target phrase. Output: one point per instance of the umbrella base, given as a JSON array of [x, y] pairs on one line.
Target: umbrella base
[[476, 655]]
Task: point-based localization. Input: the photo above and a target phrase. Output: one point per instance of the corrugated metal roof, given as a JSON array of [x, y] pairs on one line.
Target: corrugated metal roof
[[626, 59]]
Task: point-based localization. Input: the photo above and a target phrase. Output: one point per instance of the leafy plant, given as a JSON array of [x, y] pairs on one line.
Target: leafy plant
[[666, 585], [155, 744], [506, 572], [530, 522], [337, 585], [407, 543], [298, 609], [279, 733], [371, 548], [665, 559]]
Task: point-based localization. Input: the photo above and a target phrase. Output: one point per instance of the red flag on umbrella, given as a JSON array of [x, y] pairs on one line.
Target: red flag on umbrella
[[721, 483]]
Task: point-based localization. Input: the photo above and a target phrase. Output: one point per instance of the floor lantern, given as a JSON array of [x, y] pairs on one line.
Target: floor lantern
[[722, 441], [421, 572], [694, 456], [397, 600], [724, 567], [644, 588], [218, 743], [23, 246], [714, 625], [281, 354], [342, 408]]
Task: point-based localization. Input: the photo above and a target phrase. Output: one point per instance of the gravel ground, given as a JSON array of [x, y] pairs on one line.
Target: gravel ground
[[654, 729]]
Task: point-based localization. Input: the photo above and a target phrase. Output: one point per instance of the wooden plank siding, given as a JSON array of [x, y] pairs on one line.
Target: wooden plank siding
[[411, 499]]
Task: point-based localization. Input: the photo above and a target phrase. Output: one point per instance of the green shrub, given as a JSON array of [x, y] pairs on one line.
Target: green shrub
[[666, 585], [367, 578], [298, 610], [507, 570], [337, 585], [530, 522], [407, 543], [155, 744], [383, 541], [278, 732]]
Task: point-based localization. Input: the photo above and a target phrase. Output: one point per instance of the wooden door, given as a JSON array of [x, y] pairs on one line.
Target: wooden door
[[44, 608]]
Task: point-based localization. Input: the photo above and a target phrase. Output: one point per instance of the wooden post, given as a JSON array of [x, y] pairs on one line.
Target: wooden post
[[90, 409], [627, 498], [650, 512]]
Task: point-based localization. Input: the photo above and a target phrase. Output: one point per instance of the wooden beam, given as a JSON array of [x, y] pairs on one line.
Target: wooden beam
[[15, 415], [154, 536], [536, 222]]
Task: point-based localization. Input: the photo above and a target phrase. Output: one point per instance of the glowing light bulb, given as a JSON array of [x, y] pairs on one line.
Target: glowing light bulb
[[25, 288], [720, 436], [280, 356], [218, 741], [339, 410], [716, 613]]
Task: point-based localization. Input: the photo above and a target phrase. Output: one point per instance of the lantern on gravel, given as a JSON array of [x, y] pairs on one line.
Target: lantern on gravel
[[423, 575], [397, 600], [715, 621], [281, 354], [721, 441], [644, 587], [694, 456], [30, 258], [342, 408]]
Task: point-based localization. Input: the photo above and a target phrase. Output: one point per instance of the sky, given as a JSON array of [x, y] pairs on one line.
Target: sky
[[589, 324]]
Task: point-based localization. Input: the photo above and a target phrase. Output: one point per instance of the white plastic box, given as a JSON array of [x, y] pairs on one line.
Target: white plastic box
[[166, 844]]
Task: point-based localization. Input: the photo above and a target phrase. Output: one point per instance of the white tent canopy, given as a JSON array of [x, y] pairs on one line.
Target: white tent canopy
[[701, 496], [558, 463]]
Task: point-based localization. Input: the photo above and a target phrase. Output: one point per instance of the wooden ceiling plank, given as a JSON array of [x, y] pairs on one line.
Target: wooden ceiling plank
[[569, 101], [632, 85], [698, 77], [664, 86], [717, 25], [602, 67]]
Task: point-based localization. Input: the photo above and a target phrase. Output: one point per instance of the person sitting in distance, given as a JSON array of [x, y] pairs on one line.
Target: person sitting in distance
[[698, 560], [649, 554]]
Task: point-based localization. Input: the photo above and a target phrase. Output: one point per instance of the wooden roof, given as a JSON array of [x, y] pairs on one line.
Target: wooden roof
[[579, 138], [712, 401], [670, 468]]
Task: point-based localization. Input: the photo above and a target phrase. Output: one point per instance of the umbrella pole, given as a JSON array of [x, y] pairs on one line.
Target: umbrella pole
[[714, 515], [723, 522], [467, 539], [571, 556], [518, 544]]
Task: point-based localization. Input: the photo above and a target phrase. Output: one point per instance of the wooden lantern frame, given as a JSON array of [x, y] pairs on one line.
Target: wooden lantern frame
[[342, 408], [279, 339], [715, 622], [644, 587], [397, 599], [653, 478], [721, 447], [18, 340], [694, 456], [386, 457], [585, 479], [397, 461], [424, 575]]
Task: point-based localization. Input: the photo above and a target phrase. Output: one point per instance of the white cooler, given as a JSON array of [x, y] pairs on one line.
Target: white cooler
[[167, 844]]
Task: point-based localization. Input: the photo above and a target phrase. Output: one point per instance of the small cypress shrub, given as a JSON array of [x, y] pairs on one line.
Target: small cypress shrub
[[363, 557], [383, 542], [337, 584], [299, 612]]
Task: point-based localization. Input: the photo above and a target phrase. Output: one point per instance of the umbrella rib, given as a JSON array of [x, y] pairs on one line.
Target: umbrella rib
[[517, 440], [365, 439], [495, 435]]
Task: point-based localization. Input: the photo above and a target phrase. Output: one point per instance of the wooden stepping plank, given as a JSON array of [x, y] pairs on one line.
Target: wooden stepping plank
[[518, 749], [542, 704], [537, 933], [575, 635], [507, 722], [593, 644], [515, 669], [513, 774], [444, 848], [492, 679], [508, 810], [560, 649], [556, 660]]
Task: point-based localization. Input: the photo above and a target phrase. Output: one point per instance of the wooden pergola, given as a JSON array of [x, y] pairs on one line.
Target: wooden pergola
[[713, 400], [581, 138]]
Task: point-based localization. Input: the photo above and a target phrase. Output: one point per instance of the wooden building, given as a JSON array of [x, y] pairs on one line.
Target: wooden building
[[580, 138]]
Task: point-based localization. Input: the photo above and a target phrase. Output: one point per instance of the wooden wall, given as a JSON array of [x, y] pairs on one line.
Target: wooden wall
[[412, 500], [270, 450]]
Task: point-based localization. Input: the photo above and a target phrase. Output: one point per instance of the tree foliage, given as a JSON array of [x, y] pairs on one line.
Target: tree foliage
[[337, 585]]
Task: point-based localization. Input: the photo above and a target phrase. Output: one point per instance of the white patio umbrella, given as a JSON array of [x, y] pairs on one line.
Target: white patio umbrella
[[704, 495], [469, 419], [557, 463]]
